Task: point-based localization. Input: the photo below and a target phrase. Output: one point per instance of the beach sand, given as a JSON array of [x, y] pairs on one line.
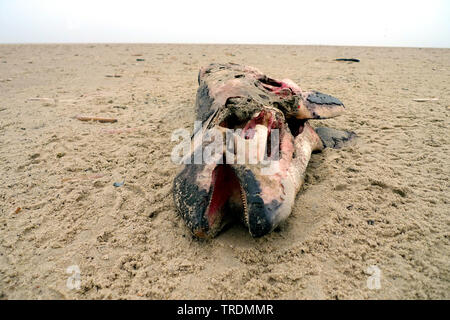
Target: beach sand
[[382, 202]]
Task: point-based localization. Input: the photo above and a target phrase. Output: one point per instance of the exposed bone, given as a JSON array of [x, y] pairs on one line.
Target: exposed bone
[[262, 133], [251, 151]]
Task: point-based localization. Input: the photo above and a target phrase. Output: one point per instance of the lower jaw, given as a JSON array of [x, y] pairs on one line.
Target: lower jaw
[[228, 199]]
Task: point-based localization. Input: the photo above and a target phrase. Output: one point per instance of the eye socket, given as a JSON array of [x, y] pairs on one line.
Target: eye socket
[[233, 122]]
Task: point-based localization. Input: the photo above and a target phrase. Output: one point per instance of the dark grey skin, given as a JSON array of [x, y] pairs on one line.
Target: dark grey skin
[[208, 196]]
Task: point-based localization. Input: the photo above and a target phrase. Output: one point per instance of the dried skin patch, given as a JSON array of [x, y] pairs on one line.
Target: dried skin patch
[[383, 201]]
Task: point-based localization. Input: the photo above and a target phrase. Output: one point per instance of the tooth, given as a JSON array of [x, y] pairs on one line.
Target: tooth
[[244, 203]]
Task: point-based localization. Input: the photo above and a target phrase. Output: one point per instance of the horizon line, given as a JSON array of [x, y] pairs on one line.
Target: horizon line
[[219, 44]]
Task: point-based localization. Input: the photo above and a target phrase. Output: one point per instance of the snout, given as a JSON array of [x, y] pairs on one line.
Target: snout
[[192, 199]]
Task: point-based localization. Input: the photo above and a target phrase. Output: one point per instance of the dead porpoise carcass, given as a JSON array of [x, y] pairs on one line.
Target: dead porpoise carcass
[[247, 108]]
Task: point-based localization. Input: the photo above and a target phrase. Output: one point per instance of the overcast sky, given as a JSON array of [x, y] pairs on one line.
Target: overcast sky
[[413, 23]]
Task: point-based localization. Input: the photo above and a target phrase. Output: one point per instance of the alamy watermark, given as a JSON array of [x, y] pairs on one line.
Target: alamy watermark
[[74, 281], [218, 145], [374, 281]]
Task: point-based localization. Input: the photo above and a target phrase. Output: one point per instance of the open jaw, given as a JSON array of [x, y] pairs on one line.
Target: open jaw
[[228, 199], [241, 192], [210, 196]]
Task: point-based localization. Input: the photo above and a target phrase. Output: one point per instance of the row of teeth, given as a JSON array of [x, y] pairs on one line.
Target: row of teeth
[[244, 203]]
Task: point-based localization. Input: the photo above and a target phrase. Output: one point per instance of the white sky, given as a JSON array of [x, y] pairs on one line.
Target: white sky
[[416, 23]]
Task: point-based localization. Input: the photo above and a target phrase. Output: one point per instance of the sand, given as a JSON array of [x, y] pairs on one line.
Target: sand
[[382, 202]]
